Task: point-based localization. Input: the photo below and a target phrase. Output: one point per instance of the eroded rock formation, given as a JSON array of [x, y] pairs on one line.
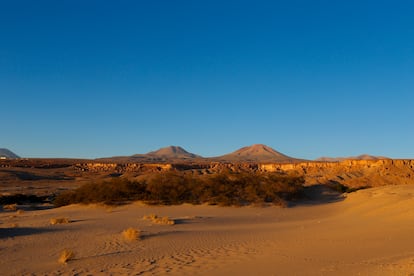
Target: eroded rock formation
[[351, 173]]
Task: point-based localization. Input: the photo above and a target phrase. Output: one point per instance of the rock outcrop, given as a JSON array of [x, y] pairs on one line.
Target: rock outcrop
[[347, 173], [350, 173]]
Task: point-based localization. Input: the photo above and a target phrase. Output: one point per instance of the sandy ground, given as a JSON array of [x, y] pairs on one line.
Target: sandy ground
[[370, 232]]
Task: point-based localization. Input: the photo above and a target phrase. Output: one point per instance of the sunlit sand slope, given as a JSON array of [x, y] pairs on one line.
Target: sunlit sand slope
[[369, 232]]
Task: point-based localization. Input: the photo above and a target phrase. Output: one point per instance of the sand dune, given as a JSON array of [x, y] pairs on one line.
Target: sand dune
[[367, 233]]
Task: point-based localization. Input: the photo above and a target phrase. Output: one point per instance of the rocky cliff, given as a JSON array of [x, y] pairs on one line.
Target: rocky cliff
[[350, 173], [46, 175]]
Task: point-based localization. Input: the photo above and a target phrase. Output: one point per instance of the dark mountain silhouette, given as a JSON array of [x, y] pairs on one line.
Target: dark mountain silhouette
[[5, 153]]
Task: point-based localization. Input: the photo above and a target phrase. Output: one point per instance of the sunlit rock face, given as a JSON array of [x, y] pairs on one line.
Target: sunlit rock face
[[352, 173]]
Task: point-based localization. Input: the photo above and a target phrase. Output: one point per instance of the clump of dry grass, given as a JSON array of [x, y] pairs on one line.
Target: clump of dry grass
[[109, 209], [149, 217], [54, 221], [66, 256], [131, 234], [10, 207], [19, 212], [159, 220], [165, 220], [14, 225]]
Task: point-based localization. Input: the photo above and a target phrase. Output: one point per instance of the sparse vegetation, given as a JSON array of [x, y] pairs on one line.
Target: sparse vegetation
[[225, 188], [149, 217], [131, 234], [66, 256], [54, 221], [159, 220], [10, 207], [109, 192], [14, 225]]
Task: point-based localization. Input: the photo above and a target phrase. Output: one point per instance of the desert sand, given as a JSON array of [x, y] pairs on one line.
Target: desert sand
[[368, 232]]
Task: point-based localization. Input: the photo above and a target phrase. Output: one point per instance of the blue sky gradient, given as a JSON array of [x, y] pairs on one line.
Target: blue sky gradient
[[308, 78]]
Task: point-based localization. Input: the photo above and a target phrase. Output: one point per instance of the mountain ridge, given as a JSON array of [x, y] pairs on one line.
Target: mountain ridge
[[253, 153], [359, 157]]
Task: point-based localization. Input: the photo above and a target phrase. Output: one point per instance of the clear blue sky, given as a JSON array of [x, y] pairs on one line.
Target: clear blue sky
[[308, 78]]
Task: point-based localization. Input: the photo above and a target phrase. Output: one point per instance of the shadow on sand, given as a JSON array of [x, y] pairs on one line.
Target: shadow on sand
[[24, 175], [23, 231], [318, 194]]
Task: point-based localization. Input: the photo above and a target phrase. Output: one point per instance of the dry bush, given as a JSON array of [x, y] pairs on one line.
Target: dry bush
[[159, 220], [10, 207], [109, 192], [14, 225], [66, 256], [108, 208], [224, 188], [165, 221], [54, 221], [131, 234], [19, 212], [149, 217]]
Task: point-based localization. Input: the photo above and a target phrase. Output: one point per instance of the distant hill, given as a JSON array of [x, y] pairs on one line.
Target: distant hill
[[171, 152], [167, 154], [359, 157], [5, 153], [256, 153]]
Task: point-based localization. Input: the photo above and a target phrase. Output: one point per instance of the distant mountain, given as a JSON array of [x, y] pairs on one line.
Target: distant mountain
[[5, 153], [256, 153], [167, 154], [359, 157], [171, 152]]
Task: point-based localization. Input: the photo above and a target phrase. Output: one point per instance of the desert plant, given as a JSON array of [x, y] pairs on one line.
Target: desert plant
[[149, 217], [165, 221], [224, 188], [108, 192], [19, 212], [54, 221], [159, 220], [131, 234], [65, 256], [10, 207]]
